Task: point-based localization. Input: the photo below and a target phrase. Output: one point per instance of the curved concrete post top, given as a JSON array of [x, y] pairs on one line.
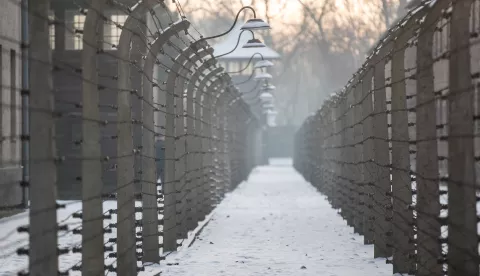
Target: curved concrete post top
[[123, 47], [162, 39], [184, 61], [155, 48], [203, 83], [192, 83]]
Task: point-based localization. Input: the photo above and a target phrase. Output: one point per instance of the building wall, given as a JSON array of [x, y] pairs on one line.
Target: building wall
[[68, 90], [10, 112]]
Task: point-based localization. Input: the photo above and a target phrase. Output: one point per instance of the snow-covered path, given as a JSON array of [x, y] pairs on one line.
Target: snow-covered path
[[276, 224]]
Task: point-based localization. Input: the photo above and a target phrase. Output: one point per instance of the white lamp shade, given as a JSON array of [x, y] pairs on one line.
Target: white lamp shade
[[268, 106], [263, 76], [254, 43], [266, 97], [255, 24], [263, 64], [268, 87]]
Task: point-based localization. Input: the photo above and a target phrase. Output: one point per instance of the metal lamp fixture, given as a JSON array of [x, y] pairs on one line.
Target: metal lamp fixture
[[266, 97], [268, 87], [254, 43], [268, 106], [256, 24], [251, 24], [263, 76], [263, 64]]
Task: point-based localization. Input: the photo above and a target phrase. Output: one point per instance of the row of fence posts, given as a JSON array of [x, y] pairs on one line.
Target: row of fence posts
[[395, 151], [209, 134]]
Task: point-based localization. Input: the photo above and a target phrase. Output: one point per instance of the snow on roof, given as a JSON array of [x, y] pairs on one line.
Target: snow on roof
[[241, 53]]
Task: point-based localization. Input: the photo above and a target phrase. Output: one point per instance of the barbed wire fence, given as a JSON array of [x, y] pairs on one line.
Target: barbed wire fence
[[397, 150], [135, 136]]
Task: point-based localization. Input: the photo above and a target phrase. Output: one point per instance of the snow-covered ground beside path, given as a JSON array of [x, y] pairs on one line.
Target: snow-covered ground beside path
[[276, 224]]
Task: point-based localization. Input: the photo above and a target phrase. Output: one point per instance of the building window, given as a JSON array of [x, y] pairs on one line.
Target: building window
[[51, 17], [113, 30], [74, 21], [234, 67], [78, 22]]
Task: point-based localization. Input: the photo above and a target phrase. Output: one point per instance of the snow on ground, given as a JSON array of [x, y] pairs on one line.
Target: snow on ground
[[276, 224]]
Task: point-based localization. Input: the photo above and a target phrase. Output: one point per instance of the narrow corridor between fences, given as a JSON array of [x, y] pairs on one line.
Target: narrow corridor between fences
[[275, 223]]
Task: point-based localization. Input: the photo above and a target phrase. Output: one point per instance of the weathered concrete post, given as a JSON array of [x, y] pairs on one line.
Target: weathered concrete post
[[428, 205], [194, 108], [190, 198], [179, 75], [169, 220], [382, 205], [202, 96], [43, 251], [403, 234], [126, 225], [462, 186], [92, 184], [368, 155]]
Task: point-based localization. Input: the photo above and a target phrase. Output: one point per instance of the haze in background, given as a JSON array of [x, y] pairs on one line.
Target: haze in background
[[322, 42]]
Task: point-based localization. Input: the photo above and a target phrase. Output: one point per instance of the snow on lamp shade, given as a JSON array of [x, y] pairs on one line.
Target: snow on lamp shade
[[263, 76], [268, 106], [254, 43], [266, 97], [255, 24], [268, 87], [263, 64]]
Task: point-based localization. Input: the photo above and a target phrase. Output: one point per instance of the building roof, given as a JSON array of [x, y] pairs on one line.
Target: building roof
[[241, 53]]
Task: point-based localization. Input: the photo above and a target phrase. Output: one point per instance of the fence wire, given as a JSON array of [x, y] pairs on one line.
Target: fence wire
[[397, 150], [133, 136]]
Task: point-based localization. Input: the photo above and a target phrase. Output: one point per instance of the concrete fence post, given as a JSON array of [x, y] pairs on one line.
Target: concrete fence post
[[92, 184], [350, 155], [381, 150], [176, 82], [149, 175], [194, 109], [463, 255], [43, 251], [357, 153], [403, 234], [126, 223], [368, 155], [202, 96], [169, 218], [428, 205]]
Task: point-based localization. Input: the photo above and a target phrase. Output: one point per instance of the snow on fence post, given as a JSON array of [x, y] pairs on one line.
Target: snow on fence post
[[368, 154], [402, 220], [428, 205], [91, 176], [462, 219], [43, 253], [381, 180]]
